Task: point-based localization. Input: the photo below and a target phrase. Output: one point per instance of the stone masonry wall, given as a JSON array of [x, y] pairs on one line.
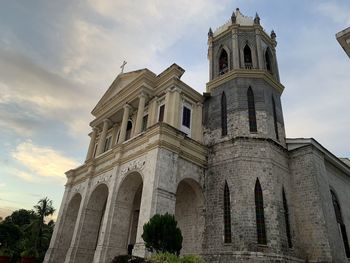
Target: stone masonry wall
[[237, 111], [339, 182], [240, 162], [308, 173]]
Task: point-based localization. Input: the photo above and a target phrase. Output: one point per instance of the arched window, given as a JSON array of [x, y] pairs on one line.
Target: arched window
[[251, 110], [275, 117], [268, 60], [227, 215], [341, 224], [260, 218], [223, 62], [128, 130], [248, 62], [286, 219], [223, 115]]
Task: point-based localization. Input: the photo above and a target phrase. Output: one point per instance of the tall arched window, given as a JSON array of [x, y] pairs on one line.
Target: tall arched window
[[227, 215], [248, 62], [286, 218], [260, 218], [223, 115], [268, 59], [128, 130], [341, 224], [275, 117], [251, 110], [223, 62]]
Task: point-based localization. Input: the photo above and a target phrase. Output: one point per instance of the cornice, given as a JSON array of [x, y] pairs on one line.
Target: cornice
[[244, 73], [160, 135]]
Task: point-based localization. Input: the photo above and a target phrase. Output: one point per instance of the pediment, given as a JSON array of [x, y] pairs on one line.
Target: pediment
[[120, 82]]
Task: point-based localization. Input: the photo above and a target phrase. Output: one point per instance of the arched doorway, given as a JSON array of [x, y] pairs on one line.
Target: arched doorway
[[90, 232], [68, 227], [126, 215], [189, 215]]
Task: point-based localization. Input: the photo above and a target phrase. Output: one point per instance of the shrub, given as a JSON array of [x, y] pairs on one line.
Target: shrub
[[171, 258], [192, 259], [164, 258], [161, 234], [5, 252], [128, 259]]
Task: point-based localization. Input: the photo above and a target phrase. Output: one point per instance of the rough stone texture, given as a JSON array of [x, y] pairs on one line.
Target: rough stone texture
[[237, 111], [161, 170], [240, 162]]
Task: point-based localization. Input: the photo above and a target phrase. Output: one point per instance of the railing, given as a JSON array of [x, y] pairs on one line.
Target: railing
[[248, 65]]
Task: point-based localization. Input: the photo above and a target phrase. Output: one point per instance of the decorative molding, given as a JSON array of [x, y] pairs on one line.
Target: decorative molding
[[136, 165]]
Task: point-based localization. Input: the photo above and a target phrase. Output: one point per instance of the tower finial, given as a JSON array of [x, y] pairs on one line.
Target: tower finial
[[273, 35], [233, 18], [210, 33], [257, 19]]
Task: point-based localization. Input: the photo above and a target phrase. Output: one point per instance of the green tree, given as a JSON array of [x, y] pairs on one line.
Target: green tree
[[43, 209], [21, 217], [10, 235], [161, 234]]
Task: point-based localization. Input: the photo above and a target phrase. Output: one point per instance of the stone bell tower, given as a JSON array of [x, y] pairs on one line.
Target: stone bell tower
[[242, 65], [247, 181]]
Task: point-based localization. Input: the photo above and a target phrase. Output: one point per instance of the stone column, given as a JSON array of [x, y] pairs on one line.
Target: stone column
[[115, 133], [140, 112], [101, 142], [92, 144], [235, 49], [124, 125], [260, 59]]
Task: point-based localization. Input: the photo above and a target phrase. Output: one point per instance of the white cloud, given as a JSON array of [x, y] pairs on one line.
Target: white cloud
[[336, 12], [2, 184], [42, 162]]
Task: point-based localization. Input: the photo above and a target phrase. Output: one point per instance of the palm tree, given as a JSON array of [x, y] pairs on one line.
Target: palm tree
[[43, 209]]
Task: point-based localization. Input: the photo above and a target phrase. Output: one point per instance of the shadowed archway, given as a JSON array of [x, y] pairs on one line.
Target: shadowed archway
[[92, 224], [189, 215], [126, 215]]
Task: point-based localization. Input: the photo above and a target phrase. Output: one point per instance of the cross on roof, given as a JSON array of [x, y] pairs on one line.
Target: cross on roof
[[123, 65]]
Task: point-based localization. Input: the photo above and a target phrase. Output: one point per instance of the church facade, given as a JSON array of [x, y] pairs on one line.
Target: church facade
[[220, 162]]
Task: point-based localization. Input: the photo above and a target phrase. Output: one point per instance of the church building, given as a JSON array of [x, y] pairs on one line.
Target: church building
[[219, 161]]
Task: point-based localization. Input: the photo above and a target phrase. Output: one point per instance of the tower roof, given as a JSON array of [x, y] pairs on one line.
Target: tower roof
[[236, 18]]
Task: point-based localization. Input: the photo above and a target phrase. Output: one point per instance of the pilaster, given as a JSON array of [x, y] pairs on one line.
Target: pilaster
[[152, 112], [260, 58], [74, 246], [235, 49], [54, 250], [168, 106]]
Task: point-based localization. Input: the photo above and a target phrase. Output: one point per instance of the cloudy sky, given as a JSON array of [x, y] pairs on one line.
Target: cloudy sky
[[57, 58]]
